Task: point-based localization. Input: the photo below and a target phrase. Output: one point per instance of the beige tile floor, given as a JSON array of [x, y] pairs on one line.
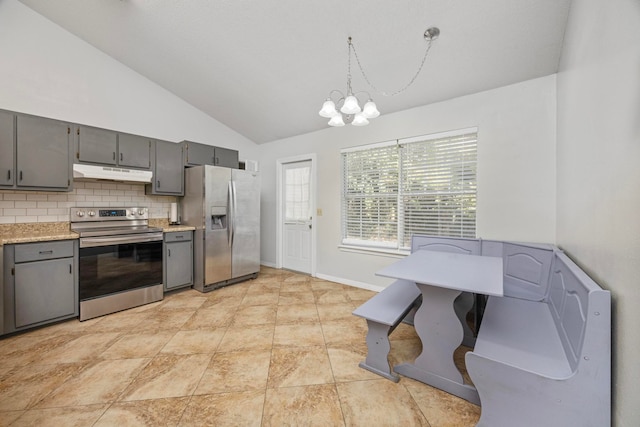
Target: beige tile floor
[[281, 350]]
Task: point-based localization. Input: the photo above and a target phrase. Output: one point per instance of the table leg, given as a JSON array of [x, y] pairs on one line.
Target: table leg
[[441, 333], [463, 305]]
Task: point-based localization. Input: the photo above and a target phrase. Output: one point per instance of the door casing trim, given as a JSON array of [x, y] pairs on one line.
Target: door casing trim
[[279, 231]]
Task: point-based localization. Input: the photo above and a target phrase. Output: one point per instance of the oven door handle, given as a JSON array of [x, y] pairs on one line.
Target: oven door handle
[[90, 242]]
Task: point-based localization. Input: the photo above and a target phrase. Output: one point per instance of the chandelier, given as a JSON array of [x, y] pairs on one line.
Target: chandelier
[[349, 104]]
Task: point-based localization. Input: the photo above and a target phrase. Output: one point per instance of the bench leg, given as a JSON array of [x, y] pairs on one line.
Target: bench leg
[[378, 347]]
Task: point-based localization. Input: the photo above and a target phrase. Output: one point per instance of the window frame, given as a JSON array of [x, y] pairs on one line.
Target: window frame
[[396, 248]]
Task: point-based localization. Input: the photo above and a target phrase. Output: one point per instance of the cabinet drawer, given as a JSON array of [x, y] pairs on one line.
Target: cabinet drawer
[[41, 251], [178, 236]]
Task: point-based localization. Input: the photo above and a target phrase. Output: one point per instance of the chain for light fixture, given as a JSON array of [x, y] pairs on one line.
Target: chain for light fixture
[[429, 35], [349, 106]]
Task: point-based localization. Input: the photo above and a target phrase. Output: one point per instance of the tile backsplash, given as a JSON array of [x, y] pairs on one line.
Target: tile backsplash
[[42, 206]]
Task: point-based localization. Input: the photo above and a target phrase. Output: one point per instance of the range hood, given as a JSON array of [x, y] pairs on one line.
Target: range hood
[[111, 173]]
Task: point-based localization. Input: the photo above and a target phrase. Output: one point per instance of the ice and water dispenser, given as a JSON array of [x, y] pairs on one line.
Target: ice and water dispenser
[[218, 217]]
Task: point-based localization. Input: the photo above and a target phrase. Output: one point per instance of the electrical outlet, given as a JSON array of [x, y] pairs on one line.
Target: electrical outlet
[[318, 212]]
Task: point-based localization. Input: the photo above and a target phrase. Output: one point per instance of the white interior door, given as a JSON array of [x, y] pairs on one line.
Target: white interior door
[[297, 216]]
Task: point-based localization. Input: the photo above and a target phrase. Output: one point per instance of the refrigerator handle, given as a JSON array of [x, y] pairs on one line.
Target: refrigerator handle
[[234, 205], [231, 212]]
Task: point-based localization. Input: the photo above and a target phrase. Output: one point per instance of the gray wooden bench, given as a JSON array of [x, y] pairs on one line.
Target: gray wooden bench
[[383, 312], [544, 358]]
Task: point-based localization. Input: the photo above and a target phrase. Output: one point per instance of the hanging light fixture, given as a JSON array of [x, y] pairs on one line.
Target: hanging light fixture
[[349, 104]]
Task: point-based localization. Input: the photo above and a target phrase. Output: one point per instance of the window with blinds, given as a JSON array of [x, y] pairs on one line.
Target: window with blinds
[[424, 185]]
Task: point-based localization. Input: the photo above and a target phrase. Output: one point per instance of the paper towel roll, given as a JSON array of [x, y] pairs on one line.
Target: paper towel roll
[[173, 213]]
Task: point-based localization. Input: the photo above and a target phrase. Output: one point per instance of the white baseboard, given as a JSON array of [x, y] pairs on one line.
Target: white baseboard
[[348, 282], [354, 283]]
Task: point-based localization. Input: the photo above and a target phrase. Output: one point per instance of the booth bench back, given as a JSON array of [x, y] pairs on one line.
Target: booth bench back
[[573, 297], [527, 266]]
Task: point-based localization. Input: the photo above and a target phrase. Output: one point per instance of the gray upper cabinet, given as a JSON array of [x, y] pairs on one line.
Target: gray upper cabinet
[[43, 154], [134, 151], [7, 144], [226, 157], [106, 147], [196, 154], [95, 145], [168, 170]]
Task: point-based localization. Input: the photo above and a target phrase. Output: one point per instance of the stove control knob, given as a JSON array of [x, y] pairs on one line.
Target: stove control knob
[[80, 213], [92, 213], [140, 211]]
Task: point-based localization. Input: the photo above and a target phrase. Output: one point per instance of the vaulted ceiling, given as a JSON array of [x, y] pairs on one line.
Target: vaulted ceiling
[[263, 67]]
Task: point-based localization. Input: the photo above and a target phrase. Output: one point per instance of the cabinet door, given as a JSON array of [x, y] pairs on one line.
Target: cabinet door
[[134, 151], [179, 264], [43, 158], [169, 169], [97, 145], [226, 158], [44, 291], [6, 150], [199, 154]]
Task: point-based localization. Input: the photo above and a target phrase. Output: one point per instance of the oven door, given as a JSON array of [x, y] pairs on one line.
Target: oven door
[[113, 268]]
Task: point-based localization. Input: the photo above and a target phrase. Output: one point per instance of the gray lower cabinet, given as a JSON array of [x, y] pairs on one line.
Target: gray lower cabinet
[[178, 259], [40, 283], [168, 169], [7, 144]]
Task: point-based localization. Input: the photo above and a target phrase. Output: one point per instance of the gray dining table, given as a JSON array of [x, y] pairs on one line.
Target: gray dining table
[[442, 277]]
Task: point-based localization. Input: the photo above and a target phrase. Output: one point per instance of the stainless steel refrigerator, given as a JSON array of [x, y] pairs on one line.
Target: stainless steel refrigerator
[[223, 205]]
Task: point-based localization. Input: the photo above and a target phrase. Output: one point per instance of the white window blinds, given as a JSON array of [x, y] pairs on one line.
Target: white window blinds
[[370, 196], [424, 185]]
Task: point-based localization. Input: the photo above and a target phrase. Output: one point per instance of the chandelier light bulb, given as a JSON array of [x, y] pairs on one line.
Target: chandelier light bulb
[[328, 109], [360, 120], [336, 120], [370, 111], [350, 105]]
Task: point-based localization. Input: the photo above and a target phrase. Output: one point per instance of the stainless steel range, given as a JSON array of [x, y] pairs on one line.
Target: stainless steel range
[[120, 259]]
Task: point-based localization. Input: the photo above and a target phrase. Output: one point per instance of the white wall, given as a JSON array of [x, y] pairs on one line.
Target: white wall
[[516, 169], [598, 175], [47, 71]]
